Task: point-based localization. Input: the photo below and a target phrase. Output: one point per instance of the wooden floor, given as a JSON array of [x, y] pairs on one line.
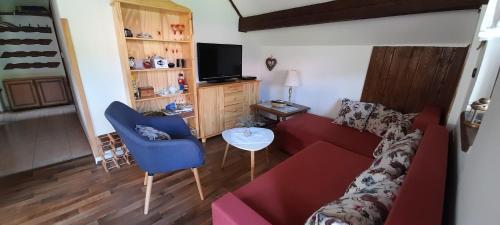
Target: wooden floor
[[38, 142], [80, 192]]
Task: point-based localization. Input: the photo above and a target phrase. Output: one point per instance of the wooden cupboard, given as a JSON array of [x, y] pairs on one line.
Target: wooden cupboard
[[30, 93], [222, 106]]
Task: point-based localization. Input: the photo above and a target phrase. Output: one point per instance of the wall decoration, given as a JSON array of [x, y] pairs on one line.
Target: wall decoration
[[28, 54], [271, 63], [28, 29], [25, 41], [11, 66]]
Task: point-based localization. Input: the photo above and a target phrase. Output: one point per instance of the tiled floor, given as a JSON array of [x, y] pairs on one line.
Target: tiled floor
[[34, 143]]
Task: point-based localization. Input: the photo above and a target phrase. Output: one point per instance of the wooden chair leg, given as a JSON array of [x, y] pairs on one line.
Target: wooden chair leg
[[148, 194], [225, 155], [198, 183], [145, 178]]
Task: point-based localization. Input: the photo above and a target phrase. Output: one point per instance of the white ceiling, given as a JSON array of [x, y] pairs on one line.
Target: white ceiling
[[255, 7]]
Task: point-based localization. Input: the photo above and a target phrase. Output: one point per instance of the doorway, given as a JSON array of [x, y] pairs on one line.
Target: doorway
[[39, 123]]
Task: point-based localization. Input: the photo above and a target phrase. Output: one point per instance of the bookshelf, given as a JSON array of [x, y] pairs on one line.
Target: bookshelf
[[171, 28]]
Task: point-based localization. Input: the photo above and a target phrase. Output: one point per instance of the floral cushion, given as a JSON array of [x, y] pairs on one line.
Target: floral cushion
[[151, 133], [391, 164], [393, 134], [399, 154], [354, 114], [369, 206], [383, 118]]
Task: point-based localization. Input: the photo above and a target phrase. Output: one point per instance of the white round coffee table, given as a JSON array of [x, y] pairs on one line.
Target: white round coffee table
[[259, 138]]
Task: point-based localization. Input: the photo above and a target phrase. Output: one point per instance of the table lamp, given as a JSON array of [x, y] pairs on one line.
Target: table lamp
[[292, 80]]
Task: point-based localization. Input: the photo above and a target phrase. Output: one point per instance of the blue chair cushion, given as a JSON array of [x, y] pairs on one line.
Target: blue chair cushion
[[151, 133]]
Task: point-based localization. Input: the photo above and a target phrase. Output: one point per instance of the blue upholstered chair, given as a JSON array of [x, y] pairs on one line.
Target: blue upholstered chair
[[184, 151]]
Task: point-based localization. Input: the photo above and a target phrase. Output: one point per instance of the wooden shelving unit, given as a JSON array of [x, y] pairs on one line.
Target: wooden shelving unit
[[156, 17]]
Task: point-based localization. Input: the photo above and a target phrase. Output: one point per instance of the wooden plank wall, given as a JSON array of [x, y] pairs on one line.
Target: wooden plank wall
[[409, 78]]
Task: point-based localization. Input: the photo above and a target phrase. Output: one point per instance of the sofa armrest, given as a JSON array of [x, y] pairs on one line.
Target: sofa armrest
[[421, 198], [230, 210], [429, 115]]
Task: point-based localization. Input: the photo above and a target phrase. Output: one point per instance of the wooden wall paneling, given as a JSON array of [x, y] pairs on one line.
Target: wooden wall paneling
[[409, 78], [428, 65], [380, 63], [22, 94], [52, 91]]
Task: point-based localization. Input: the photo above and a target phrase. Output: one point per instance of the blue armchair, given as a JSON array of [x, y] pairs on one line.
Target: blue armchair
[[182, 152]]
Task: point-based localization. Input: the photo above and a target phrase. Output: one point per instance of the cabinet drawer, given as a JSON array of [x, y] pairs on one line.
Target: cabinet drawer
[[233, 112], [233, 98], [233, 88], [230, 124]]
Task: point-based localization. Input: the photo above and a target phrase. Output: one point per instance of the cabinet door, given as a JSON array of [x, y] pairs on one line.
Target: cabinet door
[[21, 94], [52, 91], [251, 96], [211, 110]]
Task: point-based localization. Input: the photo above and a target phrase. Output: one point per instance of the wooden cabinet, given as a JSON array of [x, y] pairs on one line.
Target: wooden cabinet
[[21, 93], [222, 106], [52, 91], [29, 93]]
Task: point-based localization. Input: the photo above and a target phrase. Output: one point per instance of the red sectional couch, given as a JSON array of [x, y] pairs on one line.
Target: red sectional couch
[[327, 158]]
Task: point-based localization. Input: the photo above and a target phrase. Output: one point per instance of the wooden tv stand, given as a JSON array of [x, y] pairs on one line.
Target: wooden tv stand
[[223, 105]]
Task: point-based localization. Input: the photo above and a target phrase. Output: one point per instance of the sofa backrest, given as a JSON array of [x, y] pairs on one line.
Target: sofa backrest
[[421, 198], [430, 115]]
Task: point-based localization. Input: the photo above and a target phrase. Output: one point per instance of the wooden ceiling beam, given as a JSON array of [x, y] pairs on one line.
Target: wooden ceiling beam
[[346, 10]]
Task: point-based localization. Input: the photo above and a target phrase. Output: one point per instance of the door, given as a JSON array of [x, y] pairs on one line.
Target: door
[[22, 94], [211, 108], [52, 91], [251, 91]]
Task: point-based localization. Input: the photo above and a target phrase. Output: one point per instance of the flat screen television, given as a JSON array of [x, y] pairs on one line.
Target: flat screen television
[[219, 62]]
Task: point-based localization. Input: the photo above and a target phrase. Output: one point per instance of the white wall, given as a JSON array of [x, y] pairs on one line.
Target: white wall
[[487, 73], [333, 58], [92, 28], [478, 183]]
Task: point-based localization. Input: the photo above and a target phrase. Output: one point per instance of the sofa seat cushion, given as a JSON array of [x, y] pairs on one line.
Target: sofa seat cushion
[[303, 130], [293, 190]]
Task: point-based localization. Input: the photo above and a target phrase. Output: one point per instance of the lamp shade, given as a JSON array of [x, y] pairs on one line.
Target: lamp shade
[[292, 78]]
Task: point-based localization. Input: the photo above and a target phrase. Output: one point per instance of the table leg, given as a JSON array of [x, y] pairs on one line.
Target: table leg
[[225, 155], [252, 165], [267, 154]]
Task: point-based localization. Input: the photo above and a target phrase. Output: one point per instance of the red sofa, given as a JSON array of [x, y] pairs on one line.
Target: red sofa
[[326, 159]]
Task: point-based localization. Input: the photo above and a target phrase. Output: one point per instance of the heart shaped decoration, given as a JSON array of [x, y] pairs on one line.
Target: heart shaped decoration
[[271, 63]]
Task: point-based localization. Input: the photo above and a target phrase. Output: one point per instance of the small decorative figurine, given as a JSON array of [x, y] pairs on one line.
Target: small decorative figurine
[[181, 81], [128, 33], [131, 62], [147, 63]]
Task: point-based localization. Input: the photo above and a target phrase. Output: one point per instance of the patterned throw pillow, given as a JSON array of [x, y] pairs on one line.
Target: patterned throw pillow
[[369, 206], [393, 134], [151, 133], [354, 114], [393, 163], [383, 118]]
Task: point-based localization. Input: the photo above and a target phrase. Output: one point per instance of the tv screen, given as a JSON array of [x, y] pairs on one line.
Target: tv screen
[[219, 61]]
